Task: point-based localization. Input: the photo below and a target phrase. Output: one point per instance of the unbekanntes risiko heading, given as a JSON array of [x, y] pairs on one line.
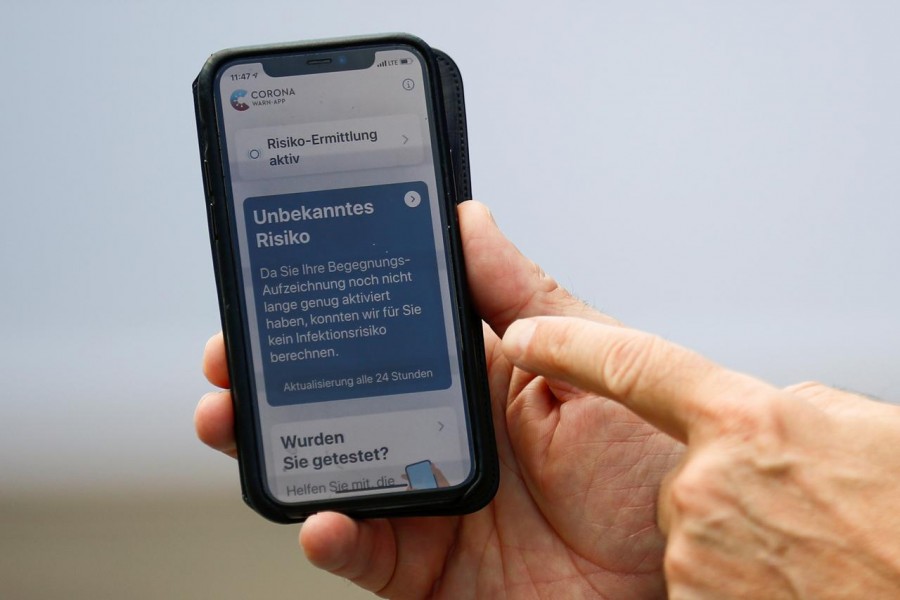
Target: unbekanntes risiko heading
[[288, 237]]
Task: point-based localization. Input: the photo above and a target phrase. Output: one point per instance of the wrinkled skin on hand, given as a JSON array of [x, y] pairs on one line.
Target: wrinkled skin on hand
[[781, 494], [575, 513]]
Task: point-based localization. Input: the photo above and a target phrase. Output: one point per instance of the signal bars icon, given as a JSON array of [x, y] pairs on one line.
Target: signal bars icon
[[394, 62]]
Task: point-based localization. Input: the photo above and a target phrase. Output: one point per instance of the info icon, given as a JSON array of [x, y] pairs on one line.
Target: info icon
[[412, 199]]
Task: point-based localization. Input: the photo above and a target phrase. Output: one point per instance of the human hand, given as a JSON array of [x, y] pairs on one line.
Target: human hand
[[575, 513], [781, 494]]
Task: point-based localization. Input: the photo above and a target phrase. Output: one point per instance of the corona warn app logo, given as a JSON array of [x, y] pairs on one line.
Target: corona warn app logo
[[236, 100]]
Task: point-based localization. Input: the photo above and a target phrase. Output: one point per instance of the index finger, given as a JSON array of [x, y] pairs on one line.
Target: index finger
[[672, 388]]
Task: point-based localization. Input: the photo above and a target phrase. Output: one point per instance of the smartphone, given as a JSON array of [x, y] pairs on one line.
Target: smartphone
[[332, 170]]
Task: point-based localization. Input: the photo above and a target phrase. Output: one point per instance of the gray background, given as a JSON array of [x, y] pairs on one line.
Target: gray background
[[722, 173]]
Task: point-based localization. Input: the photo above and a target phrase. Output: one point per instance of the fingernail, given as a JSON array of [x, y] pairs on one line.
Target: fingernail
[[518, 337]]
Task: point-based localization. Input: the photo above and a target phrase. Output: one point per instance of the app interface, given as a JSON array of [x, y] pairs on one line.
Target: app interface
[[344, 280]]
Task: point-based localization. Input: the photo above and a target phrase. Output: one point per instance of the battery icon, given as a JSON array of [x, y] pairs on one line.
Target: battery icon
[[405, 61]]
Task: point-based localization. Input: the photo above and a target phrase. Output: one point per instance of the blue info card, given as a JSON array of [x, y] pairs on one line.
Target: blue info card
[[347, 293]]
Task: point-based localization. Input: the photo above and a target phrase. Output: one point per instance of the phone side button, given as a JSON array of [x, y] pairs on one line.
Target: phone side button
[[212, 220]]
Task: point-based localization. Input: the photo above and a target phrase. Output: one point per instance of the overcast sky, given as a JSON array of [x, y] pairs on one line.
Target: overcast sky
[[726, 174]]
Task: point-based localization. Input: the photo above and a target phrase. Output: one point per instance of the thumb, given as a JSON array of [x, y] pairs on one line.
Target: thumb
[[362, 551]]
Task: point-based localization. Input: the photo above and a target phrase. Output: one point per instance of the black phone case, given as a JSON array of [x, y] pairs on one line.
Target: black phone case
[[446, 82]]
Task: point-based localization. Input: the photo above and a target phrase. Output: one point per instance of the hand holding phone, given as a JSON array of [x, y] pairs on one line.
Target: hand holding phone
[[353, 350]]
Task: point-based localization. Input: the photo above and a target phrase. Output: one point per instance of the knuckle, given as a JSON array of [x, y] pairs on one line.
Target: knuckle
[[544, 290], [680, 564], [820, 394], [746, 422], [808, 389], [555, 348], [627, 361], [772, 424], [691, 490], [759, 420]]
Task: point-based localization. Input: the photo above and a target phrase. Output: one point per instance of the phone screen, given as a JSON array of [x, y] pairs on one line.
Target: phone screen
[[333, 190]]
